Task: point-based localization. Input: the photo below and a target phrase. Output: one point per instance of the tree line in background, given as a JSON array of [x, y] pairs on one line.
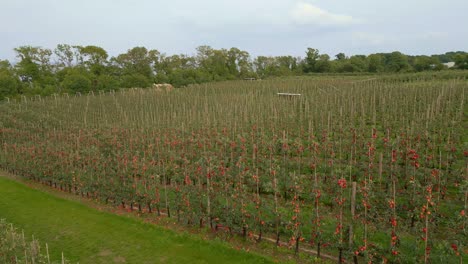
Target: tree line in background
[[73, 69]]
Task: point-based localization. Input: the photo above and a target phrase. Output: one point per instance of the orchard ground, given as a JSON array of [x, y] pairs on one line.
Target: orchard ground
[[87, 235]]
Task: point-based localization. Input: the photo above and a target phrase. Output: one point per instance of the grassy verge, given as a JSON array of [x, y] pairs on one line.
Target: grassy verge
[[86, 235]]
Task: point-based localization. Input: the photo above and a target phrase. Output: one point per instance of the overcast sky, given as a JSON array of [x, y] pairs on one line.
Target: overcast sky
[[261, 27]]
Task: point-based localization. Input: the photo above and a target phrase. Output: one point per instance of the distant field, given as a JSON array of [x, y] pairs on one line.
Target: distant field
[[86, 235], [369, 168]]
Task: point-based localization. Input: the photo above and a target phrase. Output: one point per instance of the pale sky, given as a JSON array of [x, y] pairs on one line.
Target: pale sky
[[261, 27]]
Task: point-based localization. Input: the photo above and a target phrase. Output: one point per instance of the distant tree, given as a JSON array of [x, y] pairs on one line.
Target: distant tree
[[76, 82], [397, 62], [323, 64], [375, 63], [346, 66], [163, 66], [340, 56], [312, 55], [425, 63], [287, 65], [450, 56], [204, 58], [359, 63], [87, 68], [239, 63], [137, 60], [34, 65], [107, 83], [267, 66], [461, 61], [220, 64], [183, 77], [5, 65], [166, 66], [261, 64], [94, 58], [9, 83], [135, 80], [356, 63], [67, 55]]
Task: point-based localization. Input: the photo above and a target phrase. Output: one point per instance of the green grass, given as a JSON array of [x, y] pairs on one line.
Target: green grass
[[86, 235]]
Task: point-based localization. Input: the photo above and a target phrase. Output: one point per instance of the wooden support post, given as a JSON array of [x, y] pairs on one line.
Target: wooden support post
[[380, 170], [353, 199], [353, 209]]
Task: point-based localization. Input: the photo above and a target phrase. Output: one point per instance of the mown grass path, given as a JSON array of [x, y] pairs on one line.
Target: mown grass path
[[86, 235]]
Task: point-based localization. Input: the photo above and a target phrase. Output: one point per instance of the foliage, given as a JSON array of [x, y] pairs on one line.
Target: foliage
[[135, 80], [9, 85], [76, 83], [42, 71], [461, 61]]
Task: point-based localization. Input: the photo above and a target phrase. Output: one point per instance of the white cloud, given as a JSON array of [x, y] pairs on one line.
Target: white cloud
[[370, 39], [307, 14], [434, 35]]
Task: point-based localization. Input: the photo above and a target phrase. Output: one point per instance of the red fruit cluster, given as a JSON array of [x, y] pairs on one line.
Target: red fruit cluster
[[361, 249], [340, 201], [414, 157], [394, 239], [455, 249], [342, 183], [338, 229], [394, 155]]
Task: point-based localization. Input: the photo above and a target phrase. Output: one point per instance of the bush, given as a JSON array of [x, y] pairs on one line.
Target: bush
[[77, 83], [135, 80], [9, 85], [107, 83]]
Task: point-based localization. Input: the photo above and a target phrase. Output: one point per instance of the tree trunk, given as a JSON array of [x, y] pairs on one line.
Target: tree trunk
[[297, 246], [259, 235], [318, 250]]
